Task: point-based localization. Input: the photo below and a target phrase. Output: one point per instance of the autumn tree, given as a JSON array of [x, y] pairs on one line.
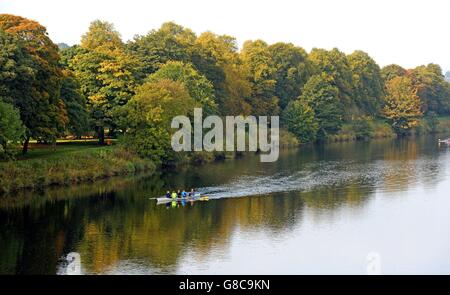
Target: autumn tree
[[367, 83], [147, 117], [101, 36], [402, 105], [217, 57], [391, 71], [106, 72], [292, 71], [31, 77], [335, 65], [261, 74], [199, 88], [170, 42]]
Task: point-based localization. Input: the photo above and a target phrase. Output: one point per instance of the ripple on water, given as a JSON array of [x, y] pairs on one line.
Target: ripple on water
[[382, 175]]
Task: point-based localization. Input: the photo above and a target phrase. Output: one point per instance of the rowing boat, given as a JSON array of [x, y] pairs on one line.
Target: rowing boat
[[165, 200]]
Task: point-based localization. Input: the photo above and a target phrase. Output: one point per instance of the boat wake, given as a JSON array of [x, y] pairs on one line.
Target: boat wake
[[378, 175]]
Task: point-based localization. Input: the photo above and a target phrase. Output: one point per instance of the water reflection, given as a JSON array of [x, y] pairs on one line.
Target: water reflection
[[115, 228]]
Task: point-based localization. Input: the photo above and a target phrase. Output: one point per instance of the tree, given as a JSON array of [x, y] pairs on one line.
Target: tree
[[391, 71], [432, 89], [299, 118], [76, 105], [199, 88], [217, 57], [37, 93], [335, 65], [170, 42], [292, 70], [261, 74], [320, 94], [11, 129], [368, 85], [102, 36], [106, 73], [402, 105], [147, 117]]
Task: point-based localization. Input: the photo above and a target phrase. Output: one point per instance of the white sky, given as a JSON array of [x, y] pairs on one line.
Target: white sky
[[406, 32]]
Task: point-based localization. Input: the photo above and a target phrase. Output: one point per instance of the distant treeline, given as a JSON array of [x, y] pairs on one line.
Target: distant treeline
[[133, 89]]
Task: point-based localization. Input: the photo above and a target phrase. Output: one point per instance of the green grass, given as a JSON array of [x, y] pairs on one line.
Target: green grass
[[44, 151], [67, 165]]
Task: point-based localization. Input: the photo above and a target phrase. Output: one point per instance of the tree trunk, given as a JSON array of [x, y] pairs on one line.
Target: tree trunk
[[25, 145], [101, 135]]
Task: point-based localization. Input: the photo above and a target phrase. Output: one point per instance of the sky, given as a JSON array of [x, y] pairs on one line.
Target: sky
[[405, 32]]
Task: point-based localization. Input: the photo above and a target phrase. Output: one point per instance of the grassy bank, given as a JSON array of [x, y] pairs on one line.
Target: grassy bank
[[67, 166], [349, 132]]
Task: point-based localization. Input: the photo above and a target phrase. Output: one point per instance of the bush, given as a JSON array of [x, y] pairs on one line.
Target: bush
[[11, 130], [363, 127], [299, 119]]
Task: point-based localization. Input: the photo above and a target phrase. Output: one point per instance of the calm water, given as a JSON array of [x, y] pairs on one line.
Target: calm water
[[351, 208]]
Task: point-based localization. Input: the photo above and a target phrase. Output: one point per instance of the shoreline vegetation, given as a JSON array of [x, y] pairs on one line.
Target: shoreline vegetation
[[124, 95], [71, 163], [72, 167]]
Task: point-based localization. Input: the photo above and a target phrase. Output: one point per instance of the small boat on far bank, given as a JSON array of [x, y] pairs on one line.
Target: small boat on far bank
[[446, 141]]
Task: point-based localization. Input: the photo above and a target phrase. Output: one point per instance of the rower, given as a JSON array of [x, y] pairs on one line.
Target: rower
[[183, 194], [174, 195], [168, 195], [179, 194]]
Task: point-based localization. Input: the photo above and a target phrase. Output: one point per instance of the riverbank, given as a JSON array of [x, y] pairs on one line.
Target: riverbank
[[84, 165], [379, 129], [74, 163]]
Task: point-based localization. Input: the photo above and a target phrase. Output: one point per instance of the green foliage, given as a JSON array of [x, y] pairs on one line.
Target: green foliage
[[292, 70], [261, 74], [170, 42], [67, 169], [432, 89], [101, 36], [216, 57], [199, 88], [148, 115], [76, 105], [402, 106], [367, 83], [138, 87], [433, 122], [105, 71], [392, 71], [30, 76], [11, 130], [323, 98], [363, 127], [336, 66], [298, 118]]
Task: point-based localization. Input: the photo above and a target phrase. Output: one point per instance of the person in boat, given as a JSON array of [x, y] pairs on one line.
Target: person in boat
[[168, 195], [192, 192], [183, 194], [174, 195], [195, 193], [179, 194]]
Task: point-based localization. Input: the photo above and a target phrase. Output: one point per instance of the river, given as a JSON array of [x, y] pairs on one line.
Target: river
[[346, 208]]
